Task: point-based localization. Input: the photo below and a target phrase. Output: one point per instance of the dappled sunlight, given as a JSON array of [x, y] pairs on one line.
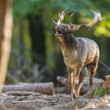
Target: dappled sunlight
[[104, 28], [102, 31]]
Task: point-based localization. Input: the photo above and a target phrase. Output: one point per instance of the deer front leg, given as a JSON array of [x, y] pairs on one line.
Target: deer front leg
[[70, 80], [81, 78], [76, 76]]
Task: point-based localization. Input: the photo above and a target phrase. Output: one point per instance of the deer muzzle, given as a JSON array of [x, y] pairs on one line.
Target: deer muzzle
[[58, 31]]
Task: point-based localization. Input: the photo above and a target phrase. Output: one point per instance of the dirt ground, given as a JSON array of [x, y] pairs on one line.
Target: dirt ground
[[35, 101]]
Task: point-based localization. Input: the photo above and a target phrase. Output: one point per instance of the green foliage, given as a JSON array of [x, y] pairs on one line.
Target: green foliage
[[49, 9], [23, 8], [104, 28], [100, 91]]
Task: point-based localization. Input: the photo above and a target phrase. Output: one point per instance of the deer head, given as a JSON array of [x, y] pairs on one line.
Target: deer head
[[73, 27]]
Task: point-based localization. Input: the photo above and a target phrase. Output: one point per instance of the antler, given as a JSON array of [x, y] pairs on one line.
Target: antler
[[70, 18], [96, 20], [61, 17]]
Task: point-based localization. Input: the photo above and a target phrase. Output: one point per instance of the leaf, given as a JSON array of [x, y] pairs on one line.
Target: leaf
[[100, 91]]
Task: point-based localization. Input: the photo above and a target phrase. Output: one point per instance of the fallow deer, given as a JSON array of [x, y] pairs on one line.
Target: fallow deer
[[77, 52]]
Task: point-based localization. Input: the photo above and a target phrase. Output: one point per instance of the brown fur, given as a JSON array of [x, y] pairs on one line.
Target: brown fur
[[77, 52]]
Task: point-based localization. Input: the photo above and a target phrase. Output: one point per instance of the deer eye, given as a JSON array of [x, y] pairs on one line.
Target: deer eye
[[59, 32]]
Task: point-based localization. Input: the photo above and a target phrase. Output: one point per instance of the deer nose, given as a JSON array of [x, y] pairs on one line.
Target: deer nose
[[57, 28]]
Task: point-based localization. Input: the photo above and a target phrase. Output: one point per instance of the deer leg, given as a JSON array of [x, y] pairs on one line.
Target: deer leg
[[76, 76], [81, 78], [70, 80], [93, 68], [92, 72]]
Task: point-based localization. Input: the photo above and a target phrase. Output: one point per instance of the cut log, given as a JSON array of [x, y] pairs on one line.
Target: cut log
[[20, 93], [74, 105], [62, 80], [107, 79], [43, 88]]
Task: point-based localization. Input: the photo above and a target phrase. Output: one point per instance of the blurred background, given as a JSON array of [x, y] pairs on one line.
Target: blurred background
[[35, 51]]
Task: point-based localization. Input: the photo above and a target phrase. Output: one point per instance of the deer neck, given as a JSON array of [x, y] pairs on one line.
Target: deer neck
[[70, 42]]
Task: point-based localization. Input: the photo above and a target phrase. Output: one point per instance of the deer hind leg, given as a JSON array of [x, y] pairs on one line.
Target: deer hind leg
[[93, 67], [81, 78]]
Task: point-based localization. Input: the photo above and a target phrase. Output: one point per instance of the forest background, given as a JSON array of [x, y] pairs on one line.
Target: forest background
[[35, 51]]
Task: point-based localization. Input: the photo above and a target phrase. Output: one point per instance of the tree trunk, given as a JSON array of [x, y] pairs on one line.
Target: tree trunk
[[60, 68], [5, 37], [37, 34]]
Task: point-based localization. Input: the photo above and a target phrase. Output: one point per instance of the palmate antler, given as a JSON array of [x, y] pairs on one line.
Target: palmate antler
[[61, 17], [96, 20], [74, 27]]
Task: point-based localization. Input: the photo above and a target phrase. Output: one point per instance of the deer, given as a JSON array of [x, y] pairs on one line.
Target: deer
[[77, 52]]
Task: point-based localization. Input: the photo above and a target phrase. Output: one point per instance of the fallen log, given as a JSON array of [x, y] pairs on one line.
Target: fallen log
[[21, 93], [63, 80], [73, 105], [85, 87], [99, 87], [43, 88]]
